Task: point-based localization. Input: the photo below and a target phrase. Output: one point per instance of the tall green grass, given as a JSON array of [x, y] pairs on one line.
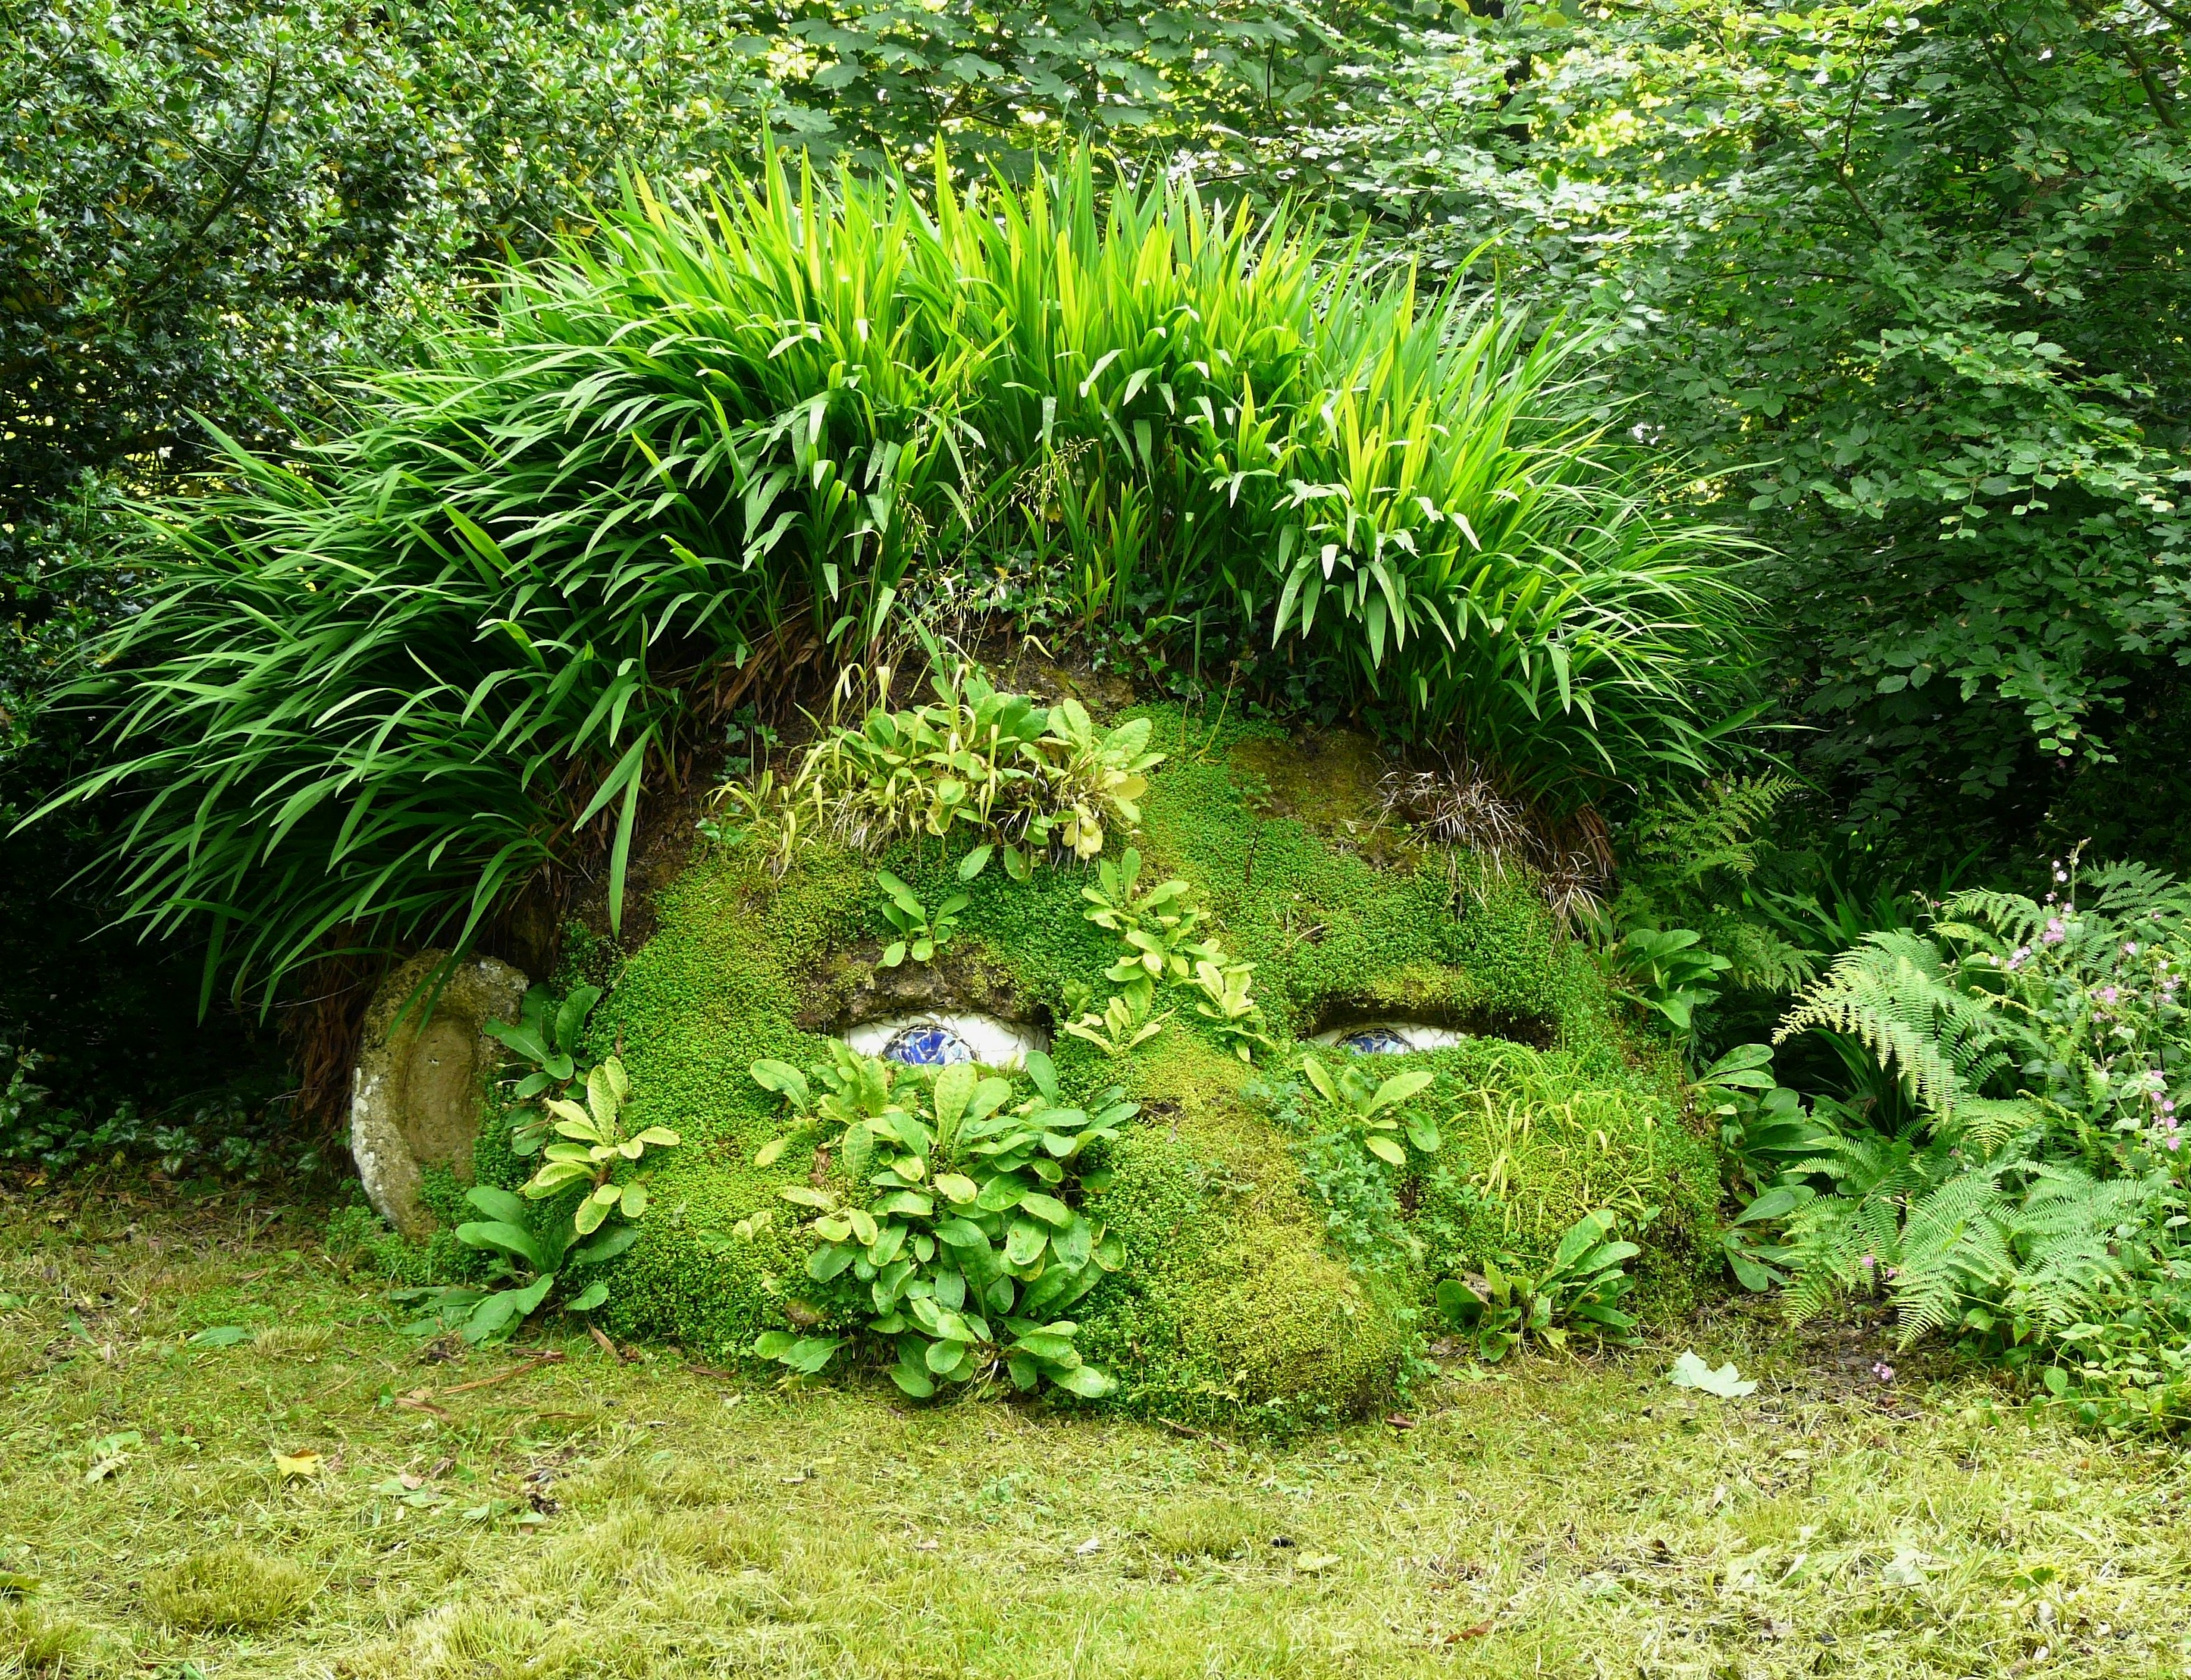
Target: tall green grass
[[376, 689]]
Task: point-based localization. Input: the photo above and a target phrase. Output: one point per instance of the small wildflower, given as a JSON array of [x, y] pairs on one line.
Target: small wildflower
[[2130, 949], [1882, 1370], [2108, 993], [1868, 1263], [2055, 933]]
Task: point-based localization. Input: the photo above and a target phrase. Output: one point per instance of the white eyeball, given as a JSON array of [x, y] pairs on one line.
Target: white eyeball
[[936, 1040], [1389, 1038]]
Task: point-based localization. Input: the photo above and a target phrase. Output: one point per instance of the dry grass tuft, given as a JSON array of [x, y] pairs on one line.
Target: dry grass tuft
[[231, 1590], [32, 1642], [1207, 1527], [293, 1340]]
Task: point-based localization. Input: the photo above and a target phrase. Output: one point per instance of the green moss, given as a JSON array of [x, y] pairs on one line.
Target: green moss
[[1238, 1300]]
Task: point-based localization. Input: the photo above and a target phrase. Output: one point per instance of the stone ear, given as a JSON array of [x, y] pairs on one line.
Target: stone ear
[[419, 1091]]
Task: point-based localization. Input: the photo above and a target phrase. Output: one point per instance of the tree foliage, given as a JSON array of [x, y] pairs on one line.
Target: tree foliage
[[1902, 275]]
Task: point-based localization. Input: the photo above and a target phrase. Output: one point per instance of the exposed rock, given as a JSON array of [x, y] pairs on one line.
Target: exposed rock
[[415, 1098]]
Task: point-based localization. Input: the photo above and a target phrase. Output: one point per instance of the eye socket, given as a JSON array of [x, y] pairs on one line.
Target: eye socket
[[936, 1040], [1389, 1038]]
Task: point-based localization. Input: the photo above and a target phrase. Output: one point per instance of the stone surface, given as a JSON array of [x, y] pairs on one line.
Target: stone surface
[[415, 1097]]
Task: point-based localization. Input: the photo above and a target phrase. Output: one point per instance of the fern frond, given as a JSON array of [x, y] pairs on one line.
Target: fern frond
[[1897, 995], [2136, 892], [1762, 959], [1684, 840], [2009, 918], [1955, 1247]]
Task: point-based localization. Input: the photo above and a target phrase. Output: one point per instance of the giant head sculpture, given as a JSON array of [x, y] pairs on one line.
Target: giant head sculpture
[[1148, 1055]]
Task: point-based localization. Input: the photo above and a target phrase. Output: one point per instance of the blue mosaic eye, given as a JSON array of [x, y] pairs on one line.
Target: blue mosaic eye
[[1375, 1042], [927, 1046]]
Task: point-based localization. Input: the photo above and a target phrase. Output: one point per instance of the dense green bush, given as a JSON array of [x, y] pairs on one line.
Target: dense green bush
[[371, 694]]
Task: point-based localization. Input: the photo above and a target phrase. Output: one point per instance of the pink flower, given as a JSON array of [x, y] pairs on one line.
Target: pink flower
[[2055, 933], [1882, 1370], [2130, 949], [2107, 994]]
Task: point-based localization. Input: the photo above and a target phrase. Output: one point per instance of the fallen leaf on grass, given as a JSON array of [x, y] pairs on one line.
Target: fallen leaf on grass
[[1691, 1372], [1908, 1569], [1454, 1636], [1315, 1563], [11, 1582], [222, 1336], [304, 1465]]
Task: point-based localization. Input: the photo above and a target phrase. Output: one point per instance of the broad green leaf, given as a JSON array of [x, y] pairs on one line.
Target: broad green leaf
[[955, 1087], [1085, 1381], [1024, 1241], [1398, 1089], [1318, 1076], [826, 1262], [1048, 1209]]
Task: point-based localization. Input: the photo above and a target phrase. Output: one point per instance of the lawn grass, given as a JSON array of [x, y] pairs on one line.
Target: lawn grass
[[503, 1514]]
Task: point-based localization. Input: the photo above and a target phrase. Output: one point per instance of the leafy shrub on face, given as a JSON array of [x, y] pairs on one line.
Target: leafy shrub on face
[[1370, 1107], [2034, 1199], [594, 1151], [953, 1242], [230, 1590], [1166, 942], [975, 763], [1581, 1287]]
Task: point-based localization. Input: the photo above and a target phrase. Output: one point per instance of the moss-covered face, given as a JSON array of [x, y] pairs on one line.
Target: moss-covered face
[[1270, 1261]]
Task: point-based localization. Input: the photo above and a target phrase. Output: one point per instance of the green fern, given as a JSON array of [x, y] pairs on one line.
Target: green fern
[[1679, 843], [1956, 1248], [1901, 995], [2133, 892], [1838, 1244]]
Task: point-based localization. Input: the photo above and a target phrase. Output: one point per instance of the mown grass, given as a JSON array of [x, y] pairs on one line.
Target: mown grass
[[506, 1515]]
